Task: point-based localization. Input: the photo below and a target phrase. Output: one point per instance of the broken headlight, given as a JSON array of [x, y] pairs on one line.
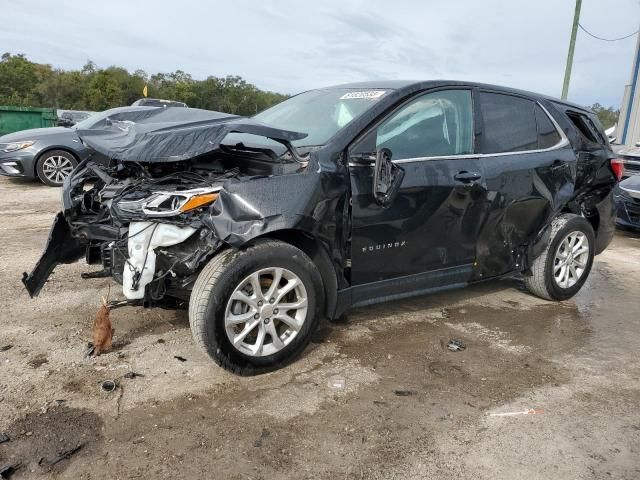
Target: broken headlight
[[167, 204]]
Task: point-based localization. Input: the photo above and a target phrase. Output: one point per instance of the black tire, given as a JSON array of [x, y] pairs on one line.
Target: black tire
[[215, 285], [542, 282], [65, 158]]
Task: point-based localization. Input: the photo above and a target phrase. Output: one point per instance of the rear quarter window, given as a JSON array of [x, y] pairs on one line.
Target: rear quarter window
[[586, 127], [548, 135]]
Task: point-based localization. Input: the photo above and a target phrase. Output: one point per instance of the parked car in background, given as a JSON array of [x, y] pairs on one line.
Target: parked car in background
[[336, 198], [627, 198], [157, 102], [68, 118], [50, 154], [631, 159]]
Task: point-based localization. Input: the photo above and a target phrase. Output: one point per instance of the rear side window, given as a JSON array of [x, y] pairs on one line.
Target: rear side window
[[586, 127], [548, 136], [509, 123]]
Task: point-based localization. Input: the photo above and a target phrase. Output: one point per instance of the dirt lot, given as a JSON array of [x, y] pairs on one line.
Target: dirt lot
[[375, 396]]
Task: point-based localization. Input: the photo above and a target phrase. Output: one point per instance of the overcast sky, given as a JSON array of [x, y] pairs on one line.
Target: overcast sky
[[290, 45]]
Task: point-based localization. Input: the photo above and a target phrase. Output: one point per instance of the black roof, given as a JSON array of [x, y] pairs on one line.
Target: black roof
[[414, 85]]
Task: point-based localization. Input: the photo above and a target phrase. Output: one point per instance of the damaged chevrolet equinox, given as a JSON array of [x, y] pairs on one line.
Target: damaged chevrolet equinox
[[336, 198]]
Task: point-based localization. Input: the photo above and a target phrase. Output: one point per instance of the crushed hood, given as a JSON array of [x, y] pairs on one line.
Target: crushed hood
[[174, 134]]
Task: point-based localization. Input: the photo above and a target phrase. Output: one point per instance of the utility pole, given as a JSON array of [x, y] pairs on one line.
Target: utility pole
[[629, 112], [572, 47]]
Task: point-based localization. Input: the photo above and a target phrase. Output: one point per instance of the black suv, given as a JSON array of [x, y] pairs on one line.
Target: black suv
[[335, 198]]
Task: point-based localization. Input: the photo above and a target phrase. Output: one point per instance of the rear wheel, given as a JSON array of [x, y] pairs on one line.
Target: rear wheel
[[54, 166], [561, 270], [255, 310]]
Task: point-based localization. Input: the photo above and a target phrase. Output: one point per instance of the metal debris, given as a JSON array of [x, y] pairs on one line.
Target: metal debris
[[108, 386], [265, 433], [61, 456], [132, 375], [8, 469], [456, 345], [337, 382], [178, 357], [89, 350], [4, 437], [404, 393], [530, 411]]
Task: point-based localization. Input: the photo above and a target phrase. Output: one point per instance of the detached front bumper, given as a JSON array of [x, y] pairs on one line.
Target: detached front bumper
[[61, 248]]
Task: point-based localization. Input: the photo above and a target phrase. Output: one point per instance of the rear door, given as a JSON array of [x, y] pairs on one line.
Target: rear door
[[432, 224], [529, 168]]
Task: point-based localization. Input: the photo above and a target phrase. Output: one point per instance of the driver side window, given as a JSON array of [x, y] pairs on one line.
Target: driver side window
[[433, 125]]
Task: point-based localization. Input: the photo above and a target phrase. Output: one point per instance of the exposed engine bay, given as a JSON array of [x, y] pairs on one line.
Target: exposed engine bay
[[133, 214], [144, 219]]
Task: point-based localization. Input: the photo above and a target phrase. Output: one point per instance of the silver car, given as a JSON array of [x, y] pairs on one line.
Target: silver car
[[51, 154]]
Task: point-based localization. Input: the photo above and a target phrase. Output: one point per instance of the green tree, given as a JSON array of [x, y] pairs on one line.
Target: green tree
[[608, 116], [25, 83], [103, 91], [18, 79]]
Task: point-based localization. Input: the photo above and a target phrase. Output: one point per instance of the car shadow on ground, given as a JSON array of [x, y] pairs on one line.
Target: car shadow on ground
[[439, 301]]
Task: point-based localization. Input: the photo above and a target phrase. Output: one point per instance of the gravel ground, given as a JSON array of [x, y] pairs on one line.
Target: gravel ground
[[376, 395]]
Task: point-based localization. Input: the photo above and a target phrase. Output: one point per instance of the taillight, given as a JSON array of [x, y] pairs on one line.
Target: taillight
[[617, 167]]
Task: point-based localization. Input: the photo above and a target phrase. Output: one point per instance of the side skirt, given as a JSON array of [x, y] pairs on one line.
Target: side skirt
[[402, 287]]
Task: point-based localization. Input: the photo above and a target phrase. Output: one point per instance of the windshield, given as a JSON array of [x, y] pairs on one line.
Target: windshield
[[320, 113], [92, 120]]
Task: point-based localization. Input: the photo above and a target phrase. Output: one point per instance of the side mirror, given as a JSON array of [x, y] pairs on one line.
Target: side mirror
[[387, 177]]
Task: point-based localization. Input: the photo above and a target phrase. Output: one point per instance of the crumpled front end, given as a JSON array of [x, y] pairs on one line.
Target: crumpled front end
[[130, 222], [151, 221]]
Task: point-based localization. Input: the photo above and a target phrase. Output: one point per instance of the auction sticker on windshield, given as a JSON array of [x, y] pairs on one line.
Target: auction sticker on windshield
[[368, 94]]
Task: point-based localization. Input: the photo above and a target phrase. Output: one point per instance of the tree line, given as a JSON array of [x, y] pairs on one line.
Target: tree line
[[608, 116], [29, 84]]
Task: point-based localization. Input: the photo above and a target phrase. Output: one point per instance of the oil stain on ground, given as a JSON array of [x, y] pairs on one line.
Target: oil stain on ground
[[49, 439]]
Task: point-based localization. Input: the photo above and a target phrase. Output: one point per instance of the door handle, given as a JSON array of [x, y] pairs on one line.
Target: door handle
[[467, 177], [556, 165]]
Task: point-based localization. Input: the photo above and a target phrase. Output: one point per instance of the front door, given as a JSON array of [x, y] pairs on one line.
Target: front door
[[432, 223]]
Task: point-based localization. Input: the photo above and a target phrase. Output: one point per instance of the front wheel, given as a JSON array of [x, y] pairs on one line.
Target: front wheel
[[255, 310], [563, 267], [54, 166]]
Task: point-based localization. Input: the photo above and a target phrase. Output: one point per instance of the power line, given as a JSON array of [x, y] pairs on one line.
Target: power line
[[607, 39]]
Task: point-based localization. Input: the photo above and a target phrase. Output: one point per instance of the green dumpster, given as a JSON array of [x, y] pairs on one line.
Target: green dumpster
[[13, 119]]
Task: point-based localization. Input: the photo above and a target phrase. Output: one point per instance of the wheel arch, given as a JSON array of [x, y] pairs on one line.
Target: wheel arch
[[544, 235], [318, 255]]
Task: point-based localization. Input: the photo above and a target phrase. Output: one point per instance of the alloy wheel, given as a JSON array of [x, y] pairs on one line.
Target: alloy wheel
[[571, 259], [56, 168], [266, 311]]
